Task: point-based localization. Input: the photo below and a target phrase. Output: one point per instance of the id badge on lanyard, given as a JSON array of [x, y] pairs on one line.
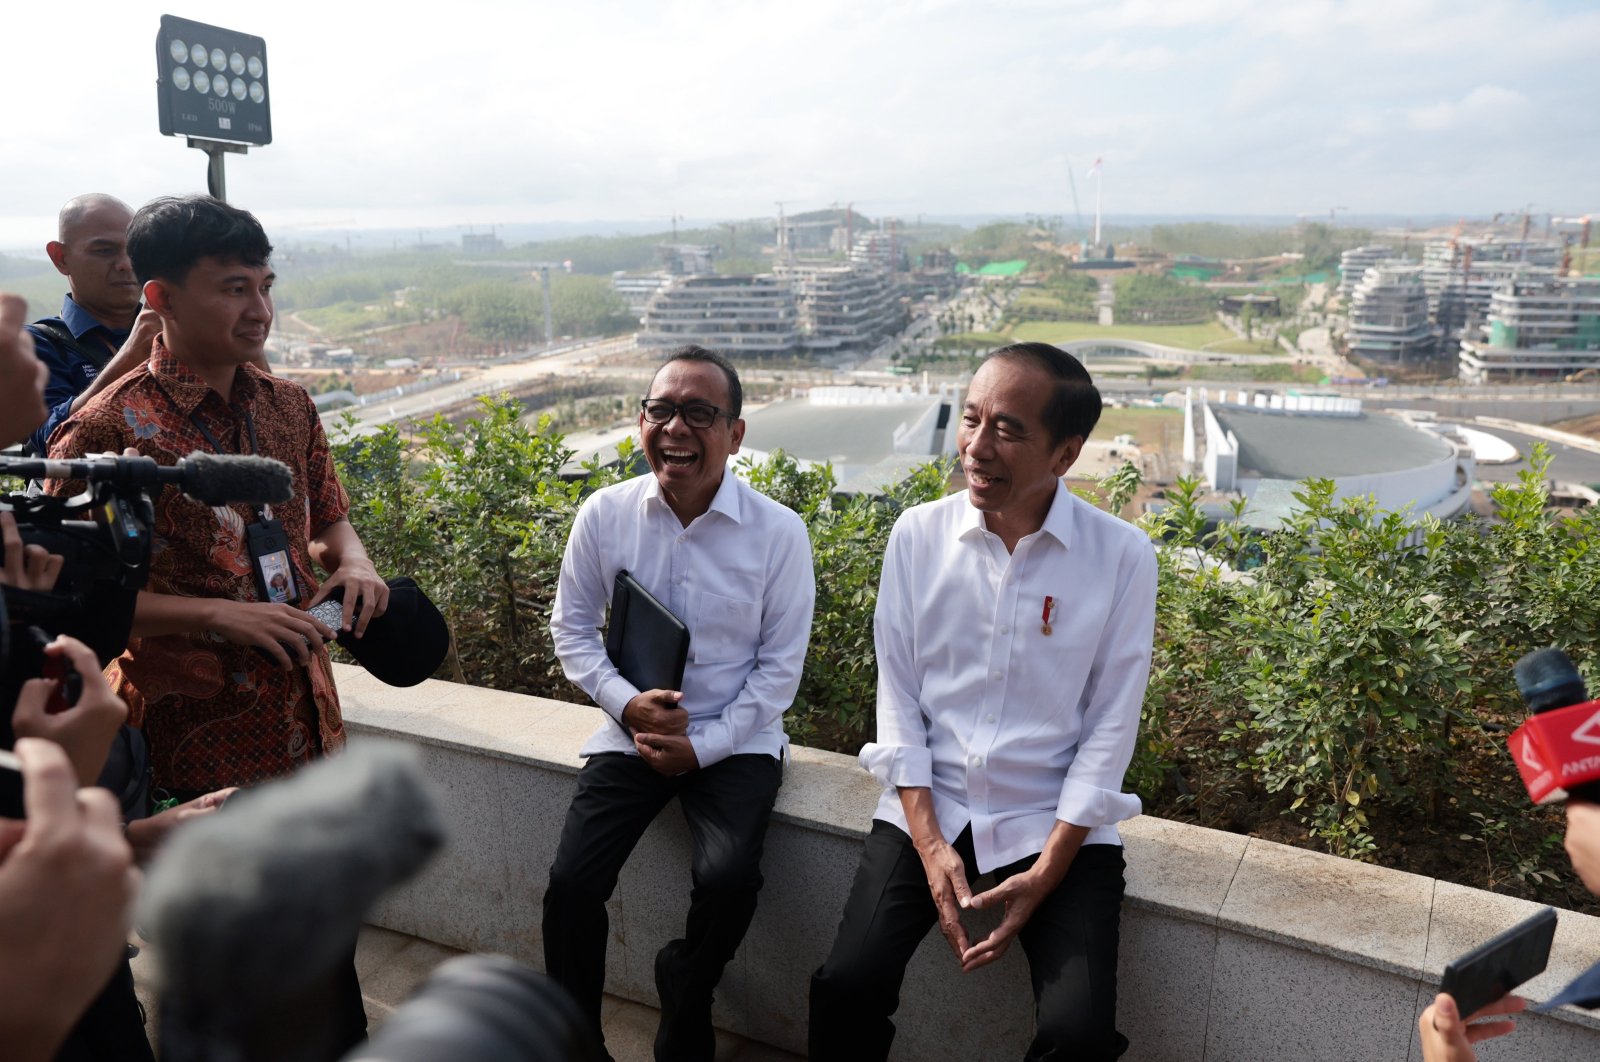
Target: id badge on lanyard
[[265, 539], [269, 559]]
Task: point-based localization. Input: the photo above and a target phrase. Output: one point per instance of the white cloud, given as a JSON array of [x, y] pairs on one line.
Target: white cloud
[[1487, 109]]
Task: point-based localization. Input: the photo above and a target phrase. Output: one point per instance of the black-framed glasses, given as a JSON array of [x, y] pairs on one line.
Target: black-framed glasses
[[694, 414]]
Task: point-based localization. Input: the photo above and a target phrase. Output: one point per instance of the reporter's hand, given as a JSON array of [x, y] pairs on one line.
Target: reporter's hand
[[66, 881], [280, 631], [149, 834], [85, 730], [1446, 1038], [656, 712], [26, 567], [1583, 841]]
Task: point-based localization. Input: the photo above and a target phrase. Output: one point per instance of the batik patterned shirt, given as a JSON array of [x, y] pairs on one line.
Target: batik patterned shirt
[[216, 713]]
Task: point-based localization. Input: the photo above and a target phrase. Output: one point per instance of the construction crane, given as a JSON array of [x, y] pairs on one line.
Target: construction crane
[[541, 268]]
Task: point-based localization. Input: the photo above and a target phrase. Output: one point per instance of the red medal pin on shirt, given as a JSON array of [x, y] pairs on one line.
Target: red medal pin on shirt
[[1049, 610]]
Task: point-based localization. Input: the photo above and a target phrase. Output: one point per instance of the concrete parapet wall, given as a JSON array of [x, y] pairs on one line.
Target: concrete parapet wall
[[1234, 949]]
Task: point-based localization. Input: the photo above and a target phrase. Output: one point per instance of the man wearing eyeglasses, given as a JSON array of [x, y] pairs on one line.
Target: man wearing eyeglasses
[[735, 567]]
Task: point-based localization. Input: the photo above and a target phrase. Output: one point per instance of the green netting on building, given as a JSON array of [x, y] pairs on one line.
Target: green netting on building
[[1502, 334], [1004, 269], [1195, 272], [1589, 331]]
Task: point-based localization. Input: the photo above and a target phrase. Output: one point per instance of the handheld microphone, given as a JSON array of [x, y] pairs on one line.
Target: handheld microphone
[[1557, 751], [212, 479], [250, 911]]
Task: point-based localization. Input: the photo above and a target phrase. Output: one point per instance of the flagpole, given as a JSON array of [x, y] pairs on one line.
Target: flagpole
[[1099, 183]]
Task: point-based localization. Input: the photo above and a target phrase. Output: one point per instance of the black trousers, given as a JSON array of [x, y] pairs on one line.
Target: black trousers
[[727, 806], [1071, 944]]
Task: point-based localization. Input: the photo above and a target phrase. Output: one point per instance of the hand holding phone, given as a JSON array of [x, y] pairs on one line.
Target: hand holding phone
[[1500, 964]]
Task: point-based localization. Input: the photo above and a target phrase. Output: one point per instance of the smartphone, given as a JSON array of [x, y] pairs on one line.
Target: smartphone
[[1497, 966], [330, 613]]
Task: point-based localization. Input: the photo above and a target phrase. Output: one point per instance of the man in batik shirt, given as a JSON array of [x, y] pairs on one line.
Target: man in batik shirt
[[229, 687]]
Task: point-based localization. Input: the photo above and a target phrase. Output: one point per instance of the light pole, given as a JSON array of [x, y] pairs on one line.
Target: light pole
[[212, 88]]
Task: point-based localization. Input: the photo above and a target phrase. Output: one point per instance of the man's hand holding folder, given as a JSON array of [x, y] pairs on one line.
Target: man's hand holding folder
[[656, 712]]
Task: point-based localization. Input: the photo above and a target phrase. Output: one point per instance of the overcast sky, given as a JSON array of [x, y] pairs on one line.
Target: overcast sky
[[590, 109]]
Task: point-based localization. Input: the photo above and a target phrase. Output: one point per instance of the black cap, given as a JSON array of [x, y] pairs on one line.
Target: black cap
[[407, 643]]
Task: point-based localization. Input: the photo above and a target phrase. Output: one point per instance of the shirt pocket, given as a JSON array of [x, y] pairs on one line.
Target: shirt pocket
[[725, 629]]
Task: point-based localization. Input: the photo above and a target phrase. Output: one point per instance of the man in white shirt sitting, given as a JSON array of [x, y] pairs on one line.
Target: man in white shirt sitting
[[735, 566], [1013, 628]]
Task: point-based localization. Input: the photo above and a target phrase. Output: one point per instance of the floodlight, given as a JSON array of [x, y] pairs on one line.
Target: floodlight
[[201, 100]]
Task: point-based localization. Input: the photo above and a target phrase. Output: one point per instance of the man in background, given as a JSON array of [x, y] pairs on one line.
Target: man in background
[[100, 333]]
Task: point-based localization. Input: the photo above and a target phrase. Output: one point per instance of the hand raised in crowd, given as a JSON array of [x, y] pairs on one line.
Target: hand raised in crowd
[[656, 712], [283, 632], [66, 881], [149, 834], [26, 567], [1445, 1037], [84, 730], [668, 754], [22, 406]]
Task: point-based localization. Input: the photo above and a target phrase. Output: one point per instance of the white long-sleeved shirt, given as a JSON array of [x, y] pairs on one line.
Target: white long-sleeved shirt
[[739, 576], [1010, 727]]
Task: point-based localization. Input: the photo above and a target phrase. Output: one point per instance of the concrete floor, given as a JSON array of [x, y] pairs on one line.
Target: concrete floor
[[391, 965]]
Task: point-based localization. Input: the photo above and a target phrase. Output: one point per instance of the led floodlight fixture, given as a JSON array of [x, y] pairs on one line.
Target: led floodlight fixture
[[195, 94]]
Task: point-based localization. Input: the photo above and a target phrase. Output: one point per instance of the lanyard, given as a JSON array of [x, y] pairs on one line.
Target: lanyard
[[250, 430]]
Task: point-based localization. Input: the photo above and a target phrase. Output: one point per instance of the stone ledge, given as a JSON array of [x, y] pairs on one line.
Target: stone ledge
[[1220, 931]]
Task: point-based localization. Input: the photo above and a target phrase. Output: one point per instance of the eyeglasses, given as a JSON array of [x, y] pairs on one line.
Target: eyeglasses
[[694, 414]]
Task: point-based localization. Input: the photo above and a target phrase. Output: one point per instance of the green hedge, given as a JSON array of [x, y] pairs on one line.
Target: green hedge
[[1347, 673]]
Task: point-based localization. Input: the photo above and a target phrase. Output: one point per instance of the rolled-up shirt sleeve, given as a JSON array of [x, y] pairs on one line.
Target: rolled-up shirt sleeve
[[786, 609], [577, 615], [900, 757], [1091, 793]]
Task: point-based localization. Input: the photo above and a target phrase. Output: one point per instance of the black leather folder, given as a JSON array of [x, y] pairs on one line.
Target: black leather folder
[[645, 641]]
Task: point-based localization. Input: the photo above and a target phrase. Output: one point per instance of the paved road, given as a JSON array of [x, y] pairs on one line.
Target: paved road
[[1568, 464]]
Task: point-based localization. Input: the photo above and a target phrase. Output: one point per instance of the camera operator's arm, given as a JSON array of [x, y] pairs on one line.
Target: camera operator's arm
[[30, 567], [280, 631], [66, 878], [149, 834], [84, 730], [339, 551]]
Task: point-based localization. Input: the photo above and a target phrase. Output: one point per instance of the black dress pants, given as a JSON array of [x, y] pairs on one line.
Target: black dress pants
[[727, 807], [1070, 942]]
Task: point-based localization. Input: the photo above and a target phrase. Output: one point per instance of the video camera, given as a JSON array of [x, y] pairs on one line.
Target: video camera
[[105, 537]]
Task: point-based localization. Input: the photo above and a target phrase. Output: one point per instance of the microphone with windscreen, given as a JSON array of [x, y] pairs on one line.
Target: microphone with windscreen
[[1557, 751], [214, 479]]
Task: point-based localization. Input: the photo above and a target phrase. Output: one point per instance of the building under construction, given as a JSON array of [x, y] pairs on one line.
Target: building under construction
[[1537, 329], [1389, 318], [1354, 263], [734, 315], [1461, 274], [844, 308]]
